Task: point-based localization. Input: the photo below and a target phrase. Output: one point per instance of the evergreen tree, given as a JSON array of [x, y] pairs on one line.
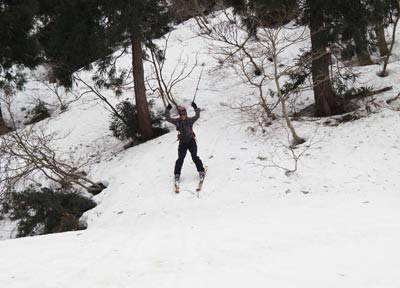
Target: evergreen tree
[[354, 19], [18, 45], [71, 36], [77, 32], [136, 22]]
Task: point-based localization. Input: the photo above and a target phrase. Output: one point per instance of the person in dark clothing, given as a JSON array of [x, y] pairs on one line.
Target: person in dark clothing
[[187, 140]]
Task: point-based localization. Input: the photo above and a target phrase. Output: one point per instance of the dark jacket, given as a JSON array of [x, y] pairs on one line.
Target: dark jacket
[[185, 127]]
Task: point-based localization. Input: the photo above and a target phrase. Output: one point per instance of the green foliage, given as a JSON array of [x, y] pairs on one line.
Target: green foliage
[[128, 20], [44, 211], [76, 33], [38, 113], [298, 78], [124, 125], [157, 122], [383, 10], [12, 78], [182, 10], [108, 77], [341, 84], [141, 19], [17, 42], [271, 13], [72, 37], [346, 94]]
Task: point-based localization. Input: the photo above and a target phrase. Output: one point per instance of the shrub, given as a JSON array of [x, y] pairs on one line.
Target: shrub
[[124, 125], [43, 210], [38, 113]]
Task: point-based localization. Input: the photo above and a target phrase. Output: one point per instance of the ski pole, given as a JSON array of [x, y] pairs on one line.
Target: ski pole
[[198, 82]]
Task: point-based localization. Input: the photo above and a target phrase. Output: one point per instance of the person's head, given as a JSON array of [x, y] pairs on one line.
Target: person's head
[[182, 112]]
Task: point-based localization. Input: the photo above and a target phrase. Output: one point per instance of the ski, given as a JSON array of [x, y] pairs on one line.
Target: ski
[[199, 186]]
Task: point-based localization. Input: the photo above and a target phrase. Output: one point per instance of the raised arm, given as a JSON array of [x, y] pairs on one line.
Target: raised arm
[[168, 116], [197, 116]]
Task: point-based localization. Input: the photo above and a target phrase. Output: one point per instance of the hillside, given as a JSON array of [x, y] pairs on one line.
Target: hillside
[[332, 223]]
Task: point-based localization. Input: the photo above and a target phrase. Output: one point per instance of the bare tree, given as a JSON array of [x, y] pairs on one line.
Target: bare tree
[[285, 155], [62, 96], [166, 82], [276, 46], [258, 59], [232, 45], [29, 154]]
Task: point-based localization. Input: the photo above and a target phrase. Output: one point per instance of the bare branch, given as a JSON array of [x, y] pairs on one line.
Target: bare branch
[[180, 72], [28, 154]]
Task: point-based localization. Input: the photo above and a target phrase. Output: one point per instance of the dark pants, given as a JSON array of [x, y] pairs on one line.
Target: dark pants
[[182, 150]]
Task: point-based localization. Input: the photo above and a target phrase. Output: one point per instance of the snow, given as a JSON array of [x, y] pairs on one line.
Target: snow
[[332, 223]]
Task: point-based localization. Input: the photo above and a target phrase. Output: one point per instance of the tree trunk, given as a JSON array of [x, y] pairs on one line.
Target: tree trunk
[[323, 94], [383, 73], [364, 58], [3, 126], [142, 106], [362, 52], [380, 35]]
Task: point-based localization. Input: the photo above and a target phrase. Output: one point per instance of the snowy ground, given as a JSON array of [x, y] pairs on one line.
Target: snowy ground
[[334, 223]]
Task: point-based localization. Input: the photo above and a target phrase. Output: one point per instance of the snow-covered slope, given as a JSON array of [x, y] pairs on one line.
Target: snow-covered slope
[[333, 223]]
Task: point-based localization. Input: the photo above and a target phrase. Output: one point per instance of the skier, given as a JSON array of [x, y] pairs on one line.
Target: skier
[[187, 140]]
